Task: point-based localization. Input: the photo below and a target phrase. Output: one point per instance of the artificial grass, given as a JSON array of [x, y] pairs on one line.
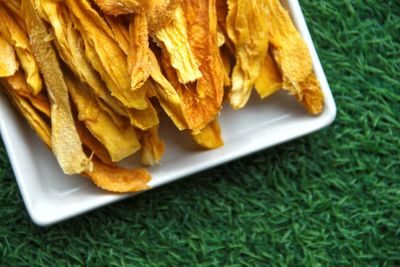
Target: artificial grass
[[328, 199]]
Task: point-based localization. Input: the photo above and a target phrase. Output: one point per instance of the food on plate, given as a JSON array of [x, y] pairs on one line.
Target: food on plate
[[269, 79], [65, 142], [8, 60], [16, 35], [174, 40], [93, 78], [293, 58], [202, 99], [119, 7], [247, 25], [210, 136]]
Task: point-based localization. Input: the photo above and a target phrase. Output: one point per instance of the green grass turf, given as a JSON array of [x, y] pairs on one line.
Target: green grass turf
[[328, 199]]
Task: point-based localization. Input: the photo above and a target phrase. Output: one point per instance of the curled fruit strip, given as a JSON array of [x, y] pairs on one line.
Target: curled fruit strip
[[210, 136], [247, 26], [14, 34], [293, 58], [174, 40], [201, 100], [119, 142], [270, 78], [8, 61], [105, 54], [104, 174], [65, 141]]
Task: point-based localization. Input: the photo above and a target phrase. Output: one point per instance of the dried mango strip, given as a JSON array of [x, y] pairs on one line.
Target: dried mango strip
[[41, 103], [8, 61], [143, 119], [14, 7], [226, 48], [104, 54], [70, 48], [137, 50], [18, 84], [140, 69], [210, 136], [247, 27], [293, 58], [117, 179], [120, 143], [270, 78], [161, 13], [120, 7], [152, 147], [202, 100], [313, 98], [15, 35], [222, 14], [174, 40], [158, 12], [120, 31], [106, 176], [169, 99], [65, 141], [29, 113], [93, 144], [120, 120], [138, 56]]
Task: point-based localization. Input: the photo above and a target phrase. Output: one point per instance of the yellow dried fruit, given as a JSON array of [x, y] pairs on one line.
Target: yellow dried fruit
[[8, 60], [143, 119], [14, 8], [30, 114], [174, 40], [222, 14], [41, 103], [18, 84], [158, 12], [270, 78], [202, 99], [65, 141], [120, 7], [293, 58], [93, 144], [71, 49], [117, 179], [104, 54], [152, 147], [106, 176], [15, 35], [119, 142], [169, 99], [138, 55], [120, 31], [210, 136], [313, 98], [247, 27]]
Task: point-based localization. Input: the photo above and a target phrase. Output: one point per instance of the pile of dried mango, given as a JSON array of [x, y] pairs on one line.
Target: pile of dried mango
[[92, 77]]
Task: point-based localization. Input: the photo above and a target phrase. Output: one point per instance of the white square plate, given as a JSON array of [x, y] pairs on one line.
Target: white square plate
[[50, 196]]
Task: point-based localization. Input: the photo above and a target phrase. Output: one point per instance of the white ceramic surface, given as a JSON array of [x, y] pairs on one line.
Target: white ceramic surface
[[50, 196]]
